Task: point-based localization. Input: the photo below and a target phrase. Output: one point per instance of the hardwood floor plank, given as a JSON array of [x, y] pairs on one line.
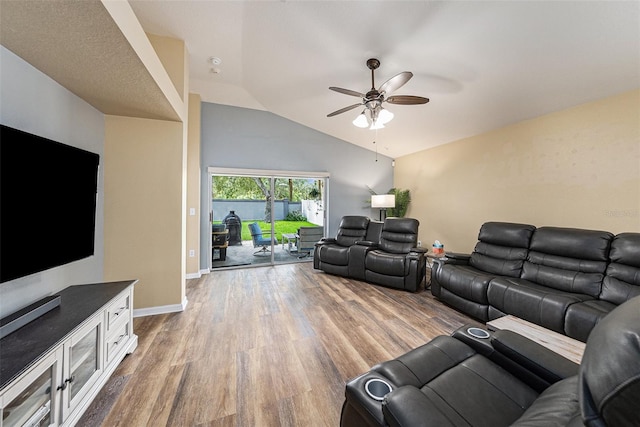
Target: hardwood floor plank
[[268, 346], [136, 403], [165, 399], [101, 408], [324, 378]]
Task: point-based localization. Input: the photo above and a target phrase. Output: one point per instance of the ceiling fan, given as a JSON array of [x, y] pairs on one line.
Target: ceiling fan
[[373, 100]]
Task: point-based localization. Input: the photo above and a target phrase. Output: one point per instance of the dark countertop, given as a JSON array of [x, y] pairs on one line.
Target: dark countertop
[[25, 347]]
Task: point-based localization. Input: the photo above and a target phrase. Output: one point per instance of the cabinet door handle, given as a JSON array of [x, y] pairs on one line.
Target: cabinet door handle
[[120, 338], [120, 310], [65, 383]]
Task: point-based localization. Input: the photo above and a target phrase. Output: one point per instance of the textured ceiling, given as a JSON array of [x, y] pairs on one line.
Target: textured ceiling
[[78, 44]]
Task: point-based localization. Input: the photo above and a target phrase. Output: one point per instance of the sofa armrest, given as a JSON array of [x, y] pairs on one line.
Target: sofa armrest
[[326, 240], [419, 250], [455, 259], [367, 243], [455, 256], [357, 256], [534, 357], [408, 406], [450, 258], [415, 255]]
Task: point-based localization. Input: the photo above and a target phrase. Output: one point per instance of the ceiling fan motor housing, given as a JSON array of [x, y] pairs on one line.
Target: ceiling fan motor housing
[[373, 63]]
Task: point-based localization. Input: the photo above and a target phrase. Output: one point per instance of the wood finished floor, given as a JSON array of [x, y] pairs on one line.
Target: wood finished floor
[[268, 346]]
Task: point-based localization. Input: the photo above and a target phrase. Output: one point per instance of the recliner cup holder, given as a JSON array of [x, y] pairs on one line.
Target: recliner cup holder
[[478, 333], [377, 389]]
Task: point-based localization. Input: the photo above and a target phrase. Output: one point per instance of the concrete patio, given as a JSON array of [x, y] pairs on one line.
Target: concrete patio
[[244, 255]]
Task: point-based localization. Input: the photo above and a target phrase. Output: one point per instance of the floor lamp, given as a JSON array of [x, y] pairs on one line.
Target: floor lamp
[[383, 202]]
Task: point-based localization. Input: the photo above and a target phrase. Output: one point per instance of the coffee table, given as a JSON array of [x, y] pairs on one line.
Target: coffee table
[[558, 343]]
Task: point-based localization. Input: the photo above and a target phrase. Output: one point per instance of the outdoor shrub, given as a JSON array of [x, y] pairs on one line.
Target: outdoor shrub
[[295, 216]]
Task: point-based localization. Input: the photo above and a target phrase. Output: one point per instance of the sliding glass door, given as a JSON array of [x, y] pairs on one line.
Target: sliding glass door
[[265, 217]]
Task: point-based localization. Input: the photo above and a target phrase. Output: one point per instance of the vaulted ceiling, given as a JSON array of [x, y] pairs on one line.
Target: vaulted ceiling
[[483, 64]]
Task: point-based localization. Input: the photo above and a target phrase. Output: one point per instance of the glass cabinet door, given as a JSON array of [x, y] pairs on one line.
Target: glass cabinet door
[[83, 357], [83, 364], [32, 401]]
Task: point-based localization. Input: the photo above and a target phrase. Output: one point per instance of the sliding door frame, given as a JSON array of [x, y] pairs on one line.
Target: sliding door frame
[[263, 173]]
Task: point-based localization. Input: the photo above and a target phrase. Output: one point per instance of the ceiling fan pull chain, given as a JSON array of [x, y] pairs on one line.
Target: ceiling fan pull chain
[[376, 145]]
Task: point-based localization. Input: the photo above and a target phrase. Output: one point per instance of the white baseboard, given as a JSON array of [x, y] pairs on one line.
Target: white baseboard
[[162, 309], [198, 274]]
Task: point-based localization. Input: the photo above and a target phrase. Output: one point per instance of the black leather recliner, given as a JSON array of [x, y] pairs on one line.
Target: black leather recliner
[[506, 380], [463, 280], [339, 255], [564, 266], [564, 279], [397, 261], [621, 282]]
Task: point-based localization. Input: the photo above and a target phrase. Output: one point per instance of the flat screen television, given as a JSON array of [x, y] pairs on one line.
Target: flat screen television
[[48, 194]]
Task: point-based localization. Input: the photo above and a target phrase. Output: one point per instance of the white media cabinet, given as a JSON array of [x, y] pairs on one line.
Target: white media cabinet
[[53, 367]]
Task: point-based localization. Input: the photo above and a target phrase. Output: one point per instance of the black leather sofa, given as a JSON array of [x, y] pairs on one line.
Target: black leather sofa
[[505, 380], [564, 279], [383, 253]]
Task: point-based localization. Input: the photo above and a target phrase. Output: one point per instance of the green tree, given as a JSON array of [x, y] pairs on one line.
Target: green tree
[[234, 187], [265, 188], [258, 188], [240, 187]]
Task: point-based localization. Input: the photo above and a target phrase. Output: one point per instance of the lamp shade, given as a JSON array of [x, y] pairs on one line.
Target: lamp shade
[[385, 116], [361, 121], [383, 201]]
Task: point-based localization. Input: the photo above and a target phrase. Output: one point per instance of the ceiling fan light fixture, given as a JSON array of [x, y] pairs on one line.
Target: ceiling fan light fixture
[[374, 98], [385, 116], [361, 121], [377, 124]]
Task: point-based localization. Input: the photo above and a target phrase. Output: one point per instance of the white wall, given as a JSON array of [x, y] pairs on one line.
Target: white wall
[[235, 137], [33, 102]]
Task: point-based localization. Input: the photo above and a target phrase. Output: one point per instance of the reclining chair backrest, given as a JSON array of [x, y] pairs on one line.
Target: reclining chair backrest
[[399, 235], [352, 229], [502, 248], [568, 259], [609, 378], [622, 279]]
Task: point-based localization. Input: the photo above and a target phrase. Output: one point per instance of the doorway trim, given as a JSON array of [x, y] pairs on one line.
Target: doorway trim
[[265, 173]]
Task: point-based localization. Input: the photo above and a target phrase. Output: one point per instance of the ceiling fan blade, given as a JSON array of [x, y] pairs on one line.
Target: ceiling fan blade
[[407, 100], [344, 110], [396, 82], [347, 91]]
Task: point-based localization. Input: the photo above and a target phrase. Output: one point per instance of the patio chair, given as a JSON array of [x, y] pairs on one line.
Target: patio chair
[[307, 239], [260, 241]]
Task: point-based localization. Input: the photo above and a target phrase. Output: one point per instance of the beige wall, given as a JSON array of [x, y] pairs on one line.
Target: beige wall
[[143, 208], [574, 168], [193, 186], [146, 194], [171, 53]]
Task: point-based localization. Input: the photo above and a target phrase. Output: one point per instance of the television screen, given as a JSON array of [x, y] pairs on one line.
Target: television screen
[[48, 194]]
